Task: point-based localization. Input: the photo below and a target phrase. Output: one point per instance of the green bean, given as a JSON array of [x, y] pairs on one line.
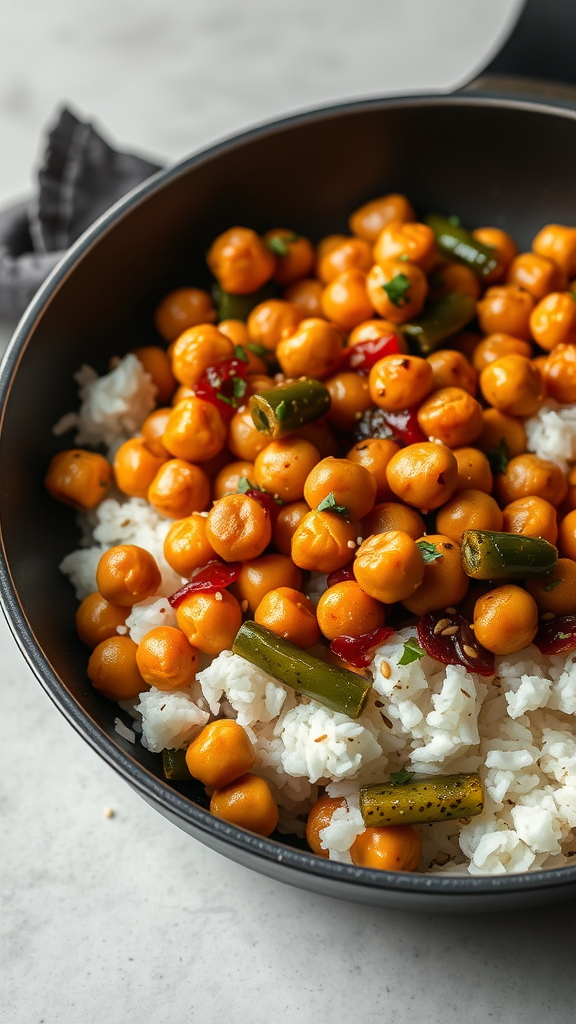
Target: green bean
[[239, 307], [488, 555], [455, 242], [284, 409], [439, 321], [438, 798], [174, 764]]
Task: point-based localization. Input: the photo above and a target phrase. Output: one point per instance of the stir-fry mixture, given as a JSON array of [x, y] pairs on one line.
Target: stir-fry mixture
[[353, 467]]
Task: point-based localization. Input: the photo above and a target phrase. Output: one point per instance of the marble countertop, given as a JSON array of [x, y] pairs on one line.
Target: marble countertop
[[123, 918]]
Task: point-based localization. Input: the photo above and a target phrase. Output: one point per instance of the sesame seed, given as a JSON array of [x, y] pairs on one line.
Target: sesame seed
[[440, 625], [218, 595], [385, 669], [320, 738], [451, 611], [241, 408], [108, 812], [469, 651], [351, 544], [450, 631], [244, 606]]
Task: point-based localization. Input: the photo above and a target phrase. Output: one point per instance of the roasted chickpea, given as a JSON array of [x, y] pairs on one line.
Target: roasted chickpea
[[567, 536], [135, 467], [240, 261], [474, 471], [181, 309], [452, 416], [558, 598], [424, 475], [289, 518], [468, 510], [289, 614], [186, 546], [182, 393], [345, 301], [497, 345], [319, 817], [560, 373], [504, 250], [166, 660], [513, 385], [369, 220], [237, 332], [98, 619], [444, 582], [374, 454], [244, 440], [271, 321], [113, 671], [350, 483], [397, 290], [220, 753], [553, 320], [261, 575], [283, 466], [196, 349], [157, 364], [350, 398], [350, 254], [388, 848], [414, 240], [529, 476], [389, 566], [391, 515], [238, 527], [558, 243], [345, 610], [450, 368], [453, 277], [498, 429], [320, 434], [532, 517], [257, 383], [209, 621], [536, 274], [373, 330], [399, 382], [314, 350], [506, 309], [294, 255], [153, 431], [327, 243], [323, 542], [571, 498], [306, 296], [195, 431], [127, 574], [505, 619], [78, 478], [248, 803], [227, 480], [217, 463], [179, 489]]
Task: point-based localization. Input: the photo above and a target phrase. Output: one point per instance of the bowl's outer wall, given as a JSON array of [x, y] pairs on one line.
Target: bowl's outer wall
[[493, 164]]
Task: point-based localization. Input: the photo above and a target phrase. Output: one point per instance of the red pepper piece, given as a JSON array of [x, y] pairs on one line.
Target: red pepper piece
[[208, 579], [267, 502], [454, 648], [223, 384], [405, 427], [363, 356], [358, 650], [341, 575], [557, 636]]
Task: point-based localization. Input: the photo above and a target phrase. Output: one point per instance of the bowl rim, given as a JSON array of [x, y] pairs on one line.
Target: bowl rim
[[180, 808]]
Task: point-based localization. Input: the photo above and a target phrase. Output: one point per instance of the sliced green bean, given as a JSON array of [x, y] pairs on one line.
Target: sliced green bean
[[488, 555], [239, 307], [174, 765], [439, 321], [455, 242], [437, 798], [284, 409]]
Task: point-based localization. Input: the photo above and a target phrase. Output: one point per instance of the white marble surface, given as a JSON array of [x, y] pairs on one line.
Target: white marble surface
[[126, 919]]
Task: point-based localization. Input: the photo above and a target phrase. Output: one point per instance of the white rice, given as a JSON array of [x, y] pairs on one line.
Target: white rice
[[551, 433]]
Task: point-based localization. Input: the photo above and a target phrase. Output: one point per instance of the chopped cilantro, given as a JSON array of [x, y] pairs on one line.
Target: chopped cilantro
[[563, 636], [397, 289], [280, 244], [240, 354], [281, 411], [550, 586], [404, 257], [244, 485], [401, 776], [239, 386], [498, 457], [428, 551], [223, 398], [454, 221], [412, 652], [329, 505], [258, 350]]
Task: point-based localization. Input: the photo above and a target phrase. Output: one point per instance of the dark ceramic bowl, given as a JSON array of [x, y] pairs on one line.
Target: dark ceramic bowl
[[498, 161]]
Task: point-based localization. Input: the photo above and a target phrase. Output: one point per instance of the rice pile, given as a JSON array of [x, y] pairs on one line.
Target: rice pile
[[517, 729]]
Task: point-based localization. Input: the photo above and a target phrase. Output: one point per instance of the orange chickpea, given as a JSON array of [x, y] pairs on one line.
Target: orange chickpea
[[468, 510], [552, 597], [346, 610], [414, 240], [98, 619], [319, 817], [373, 330], [182, 393], [196, 349], [560, 373], [294, 255], [157, 364], [369, 220], [238, 527], [474, 472], [499, 428], [532, 517], [349, 254], [314, 350], [135, 467], [452, 416], [374, 454], [399, 382], [78, 478], [181, 309], [558, 243], [283, 466], [127, 574], [248, 803], [424, 475], [450, 369], [179, 489], [244, 440], [186, 546], [166, 660], [391, 515], [506, 619], [571, 498], [389, 566], [306, 295], [261, 575], [497, 345], [444, 582], [321, 435], [352, 485], [567, 536], [210, 621], [221, 753], [227, 480], [113, 671], [271, 321], [388, 848], [289, 614], [323, 542], [153, 430], [553, 320], [536, 274], [327, 243], [240, 261], [453, 277], [350, 397], [529, 476], [289, 518], [513, 385], [345, 301], [504, 250], [397, 290], [237, 332], [506, 309], [195, 431]]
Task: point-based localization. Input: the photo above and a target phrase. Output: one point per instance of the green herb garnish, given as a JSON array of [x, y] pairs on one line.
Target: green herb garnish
[[397, 289], [550, 586], [401, 776], [454, 221], [244, 485], [412, 652], [330, 505], [240, 354], [498, 457], [258, 350], [223, 398], [404, 257], [239, 386], [563, 636], [428, 551], [280, 244]]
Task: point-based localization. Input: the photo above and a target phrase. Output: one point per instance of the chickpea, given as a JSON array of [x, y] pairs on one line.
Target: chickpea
[[388, 848], [153, 430], [468, 510], [320, 434], [374, 454], [237, 332], [323, 542], [452, 416], [289, 518], [319, 817], [240, 261], [98, 620], [504, 250], [78, 478], [414, 240], [453, 277], [195, 431], [497, 345], [397, 290], [157, 364], [350, 398], [373, 330], [306, 295], [389, 566], [399, 382], [179, 489], [474, 472], [135, 467], [536, 274], [513, 385], [424, 475], [571, 498], [227, 480], [369, 220], [558, 243], [258, 383], [221, 753], [244, 440], [196, 349], [182, 309], [294, 255], [182, 393], [216, 464], [261, 575], [166, 660], [238, 527], [560, 373], [349, 254], [283, 466], [567, 536], [553, 320], [271, 321], [248, 803], [127, 574], [450, 368], [444, 582], [499, 428], [505, 619], [352, 485], [327, 243], [345, 610], [314, 350], [529, 476], [532, 517], [391, 515], [186, 546], [552, 597], [113, 671], [289, 614], [345, 301], [209, 621], [506, 309]]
